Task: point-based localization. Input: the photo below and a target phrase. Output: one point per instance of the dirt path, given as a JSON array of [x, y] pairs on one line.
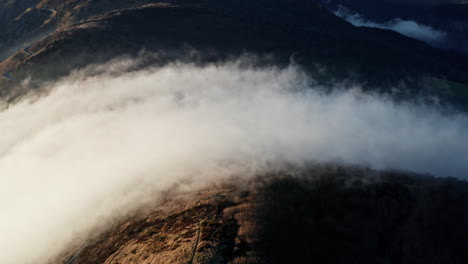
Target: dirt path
[[27, 51], [77, 254], [7, 76], [195, 246], [73, 259], [53, 12]]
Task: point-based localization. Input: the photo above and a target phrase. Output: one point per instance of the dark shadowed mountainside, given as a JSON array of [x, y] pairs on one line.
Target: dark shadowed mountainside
[[283, 30]]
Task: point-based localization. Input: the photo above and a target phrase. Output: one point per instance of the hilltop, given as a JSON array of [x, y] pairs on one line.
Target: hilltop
[[330, 215], [136, 111]]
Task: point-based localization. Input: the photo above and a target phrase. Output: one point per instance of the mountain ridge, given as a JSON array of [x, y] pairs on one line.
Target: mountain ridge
[[222, 31]]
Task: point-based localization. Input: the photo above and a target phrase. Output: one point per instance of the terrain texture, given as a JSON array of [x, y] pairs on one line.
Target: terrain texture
[[324, 214], [328, 215], [82, 33]]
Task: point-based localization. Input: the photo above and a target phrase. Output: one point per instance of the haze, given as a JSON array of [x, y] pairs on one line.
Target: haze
[[97, 147]]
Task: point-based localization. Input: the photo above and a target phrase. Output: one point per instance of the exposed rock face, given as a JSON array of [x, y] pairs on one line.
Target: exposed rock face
[[334, 215]]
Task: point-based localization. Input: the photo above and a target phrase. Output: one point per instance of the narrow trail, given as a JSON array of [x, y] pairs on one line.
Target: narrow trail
[[27, 51], [77, 254], [74, 257], [52, 15], [195, 246], [8, 77], [53, 12]]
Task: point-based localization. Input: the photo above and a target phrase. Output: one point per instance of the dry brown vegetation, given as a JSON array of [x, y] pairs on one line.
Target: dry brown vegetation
[[328, 214]]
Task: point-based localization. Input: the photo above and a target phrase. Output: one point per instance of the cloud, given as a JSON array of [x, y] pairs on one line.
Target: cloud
[[419, 2], [96, 147], [408, 28]]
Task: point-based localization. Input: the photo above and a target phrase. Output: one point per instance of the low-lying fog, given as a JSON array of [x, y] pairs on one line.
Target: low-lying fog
[[97, 146], [409, 28]]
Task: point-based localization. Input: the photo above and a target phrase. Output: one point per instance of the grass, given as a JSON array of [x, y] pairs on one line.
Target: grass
[[150, 232], [160, 238]]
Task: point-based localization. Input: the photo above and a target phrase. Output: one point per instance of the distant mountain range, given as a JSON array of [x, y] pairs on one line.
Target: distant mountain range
[[50, 38]]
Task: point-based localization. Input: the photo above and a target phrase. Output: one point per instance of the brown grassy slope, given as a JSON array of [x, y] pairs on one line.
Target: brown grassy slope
[[328, 215], [187, 228]]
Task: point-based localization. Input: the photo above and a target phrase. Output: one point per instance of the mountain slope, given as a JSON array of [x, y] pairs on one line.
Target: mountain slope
[[283, 29], [290, 213], [329, 215], [26, 21]]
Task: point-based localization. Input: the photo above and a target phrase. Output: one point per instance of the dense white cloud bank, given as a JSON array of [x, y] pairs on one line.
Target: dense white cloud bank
[[408, 28], [97, 146]]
